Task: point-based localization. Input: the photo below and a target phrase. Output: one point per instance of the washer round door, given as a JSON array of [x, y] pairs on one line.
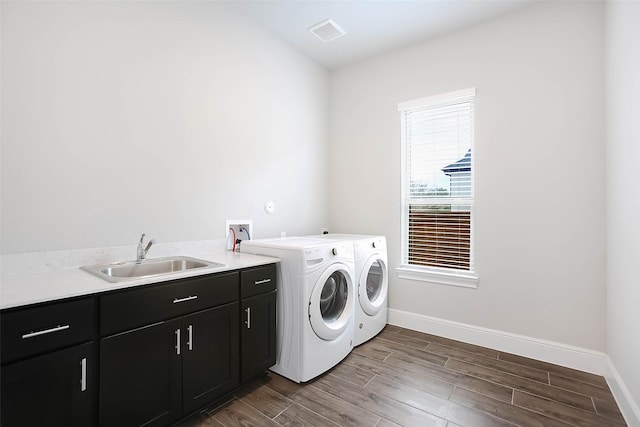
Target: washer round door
[[331, 302], [373, 285]]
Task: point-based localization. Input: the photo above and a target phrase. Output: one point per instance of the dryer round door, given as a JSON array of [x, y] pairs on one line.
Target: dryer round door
[[373, 285], [331, 302]]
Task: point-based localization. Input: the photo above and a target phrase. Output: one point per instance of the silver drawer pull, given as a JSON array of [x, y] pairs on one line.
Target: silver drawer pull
[[83, 374], [190, 342], [248, 321], [46, 331], [177, 342], [260, 282], [177, 300]]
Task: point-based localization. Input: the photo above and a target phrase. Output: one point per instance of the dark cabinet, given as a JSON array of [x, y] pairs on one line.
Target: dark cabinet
[[154, 374], [132, 308], [140, 377], [258, 334], [55, 389], [210, 355], [148, 355], [48, 369], [258, 337]]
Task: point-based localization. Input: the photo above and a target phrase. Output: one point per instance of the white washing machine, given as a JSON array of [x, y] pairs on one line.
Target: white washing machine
[[372, 282], [315, 303]]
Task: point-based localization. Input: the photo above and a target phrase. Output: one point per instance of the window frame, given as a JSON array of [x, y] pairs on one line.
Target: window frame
[[432, 274]]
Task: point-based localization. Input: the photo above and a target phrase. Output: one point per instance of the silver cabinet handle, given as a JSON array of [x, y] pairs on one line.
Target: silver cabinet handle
[[83, 374], [46, 331], [248, 321], [260, 282], [178, 341], [177, 300], [190, 342]]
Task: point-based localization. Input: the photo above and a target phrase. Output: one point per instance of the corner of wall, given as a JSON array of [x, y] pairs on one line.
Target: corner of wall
[[624, 399]]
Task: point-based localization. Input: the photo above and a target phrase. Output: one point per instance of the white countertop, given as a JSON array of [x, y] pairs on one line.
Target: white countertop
[[23, 288]]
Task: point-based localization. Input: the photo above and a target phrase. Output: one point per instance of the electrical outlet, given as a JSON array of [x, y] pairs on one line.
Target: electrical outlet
[[241, 229]]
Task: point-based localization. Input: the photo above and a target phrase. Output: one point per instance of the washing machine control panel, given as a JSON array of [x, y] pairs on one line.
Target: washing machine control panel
[[343, 250], [337, 251]]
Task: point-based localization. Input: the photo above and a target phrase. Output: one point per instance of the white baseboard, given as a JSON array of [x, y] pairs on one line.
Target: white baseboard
[[625, 401], [548, 351], [560, 354]]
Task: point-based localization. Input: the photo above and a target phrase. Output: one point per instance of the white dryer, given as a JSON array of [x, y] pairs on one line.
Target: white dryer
[[372, 282], [315, 303]]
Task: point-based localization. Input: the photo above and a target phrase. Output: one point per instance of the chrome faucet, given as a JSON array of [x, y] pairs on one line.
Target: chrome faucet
[[142, 250]]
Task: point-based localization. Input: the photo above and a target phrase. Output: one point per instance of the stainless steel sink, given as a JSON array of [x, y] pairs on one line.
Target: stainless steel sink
[[130, 270]]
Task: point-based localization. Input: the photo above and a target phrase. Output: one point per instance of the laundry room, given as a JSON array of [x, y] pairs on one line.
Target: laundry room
[[184, 119]]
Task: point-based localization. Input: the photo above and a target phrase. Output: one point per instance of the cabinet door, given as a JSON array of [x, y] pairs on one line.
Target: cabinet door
[[258, 334], [210, 358], [140, 381], [51, 390]]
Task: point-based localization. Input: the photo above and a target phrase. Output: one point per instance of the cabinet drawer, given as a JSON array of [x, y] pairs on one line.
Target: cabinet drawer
[[30, 331], [130, 309], [257, 280]]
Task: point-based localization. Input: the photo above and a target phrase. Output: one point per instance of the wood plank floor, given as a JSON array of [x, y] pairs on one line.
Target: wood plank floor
[[409, 378]]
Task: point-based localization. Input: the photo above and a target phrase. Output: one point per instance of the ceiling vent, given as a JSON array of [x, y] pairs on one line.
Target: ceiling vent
[[327, 30]]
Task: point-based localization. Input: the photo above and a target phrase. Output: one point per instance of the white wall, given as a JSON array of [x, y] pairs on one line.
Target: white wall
[[161, 117], [623, 193], [539, 223]]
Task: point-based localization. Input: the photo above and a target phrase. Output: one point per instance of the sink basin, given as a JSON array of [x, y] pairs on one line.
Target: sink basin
[[129, 270]]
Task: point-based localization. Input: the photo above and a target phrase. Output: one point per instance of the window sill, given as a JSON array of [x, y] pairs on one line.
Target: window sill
[[441, 278]]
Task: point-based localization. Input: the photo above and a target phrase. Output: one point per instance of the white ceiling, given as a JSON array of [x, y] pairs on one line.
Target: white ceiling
[[372, 26]]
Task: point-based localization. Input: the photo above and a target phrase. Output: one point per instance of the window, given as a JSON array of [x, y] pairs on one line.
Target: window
[[437, 188]]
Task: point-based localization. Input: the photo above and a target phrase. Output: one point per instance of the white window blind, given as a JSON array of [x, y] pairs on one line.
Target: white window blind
[[437, 136]]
